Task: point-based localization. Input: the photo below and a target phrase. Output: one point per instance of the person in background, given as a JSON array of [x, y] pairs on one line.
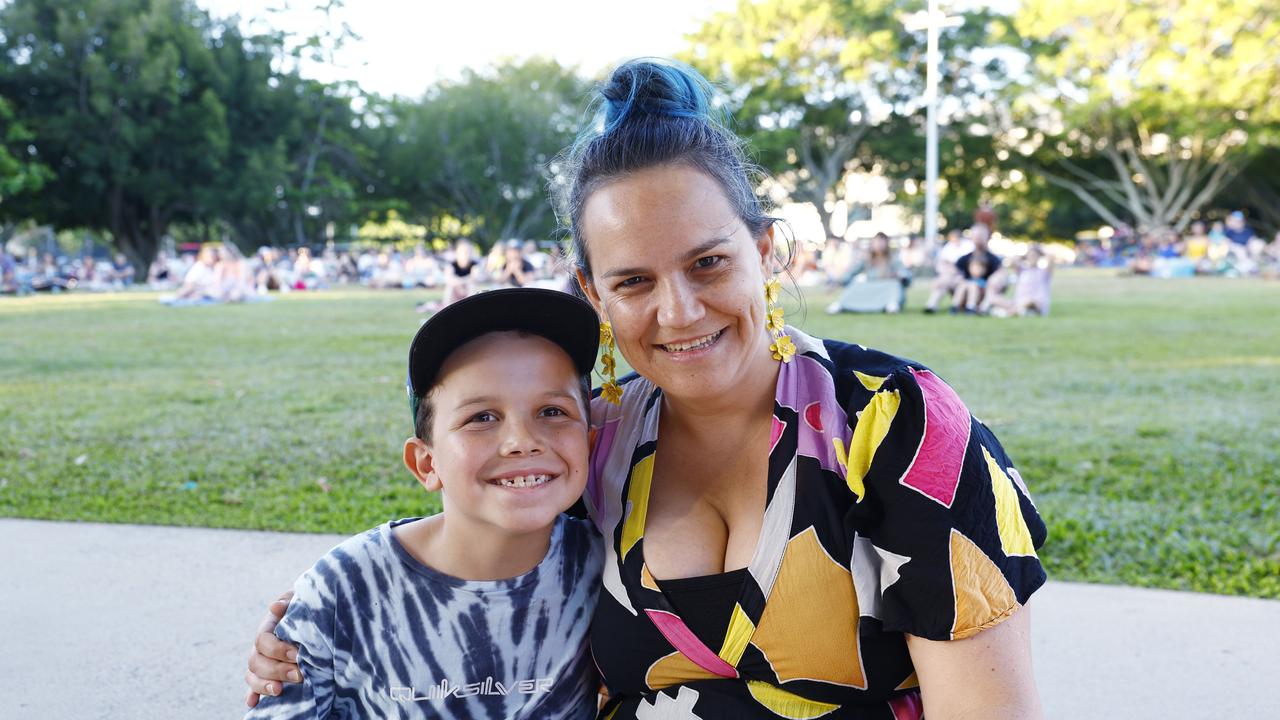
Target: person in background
[[121, 272], [346, 268], [233, 279], [8, 274], [90, 276], [1031, 290], [389, 272], [1237, 231], [49, 277], [949, 276], [201, 282], [540, 261], [1219, 250], [979, 271], [459, 277], [265, 275], [877, 283], [418, 268], [1143, 258], [516, 270], [459, 280], [985, 215], [1196, 245], [366, 266], [496, 261]]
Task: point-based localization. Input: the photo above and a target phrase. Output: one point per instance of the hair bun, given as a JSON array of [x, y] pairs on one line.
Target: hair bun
[[655, 87]]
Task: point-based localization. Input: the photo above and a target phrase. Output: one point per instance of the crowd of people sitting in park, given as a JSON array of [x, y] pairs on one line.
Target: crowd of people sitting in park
[[46, 272], [1230, 248], [967, 277], [219, 272], [963, 272]]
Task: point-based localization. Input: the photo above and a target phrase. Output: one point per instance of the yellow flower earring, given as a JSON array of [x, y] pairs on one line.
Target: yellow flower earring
[[782, 347], [610, 390]]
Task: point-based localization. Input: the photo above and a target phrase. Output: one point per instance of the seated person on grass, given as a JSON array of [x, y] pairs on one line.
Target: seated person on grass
[[483, 609], [980, 274]]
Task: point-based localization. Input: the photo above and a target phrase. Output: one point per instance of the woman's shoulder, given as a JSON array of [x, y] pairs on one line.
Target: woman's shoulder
[[868, 383], [853, 365], [849, 357]]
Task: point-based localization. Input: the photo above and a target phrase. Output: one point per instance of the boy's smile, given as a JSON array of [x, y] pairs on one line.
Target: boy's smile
[[509, 435]]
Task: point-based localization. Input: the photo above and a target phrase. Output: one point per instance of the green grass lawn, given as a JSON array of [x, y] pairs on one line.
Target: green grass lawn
[[1144, 415]]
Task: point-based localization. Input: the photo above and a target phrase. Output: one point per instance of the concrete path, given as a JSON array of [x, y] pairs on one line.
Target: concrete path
[[135, 623]]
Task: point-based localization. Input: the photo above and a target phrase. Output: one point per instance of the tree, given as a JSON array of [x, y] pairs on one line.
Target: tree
[[979, 59], [822, 87], [247, 199], [1147, 110], [20, 170], [327, 140], [476, 151], [122, 97], [807, 80]]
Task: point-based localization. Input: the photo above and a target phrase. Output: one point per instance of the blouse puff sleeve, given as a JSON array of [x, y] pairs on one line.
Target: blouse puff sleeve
[[947, 531]]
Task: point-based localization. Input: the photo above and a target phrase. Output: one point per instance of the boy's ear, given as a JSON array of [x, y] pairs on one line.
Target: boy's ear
[[420, 460]]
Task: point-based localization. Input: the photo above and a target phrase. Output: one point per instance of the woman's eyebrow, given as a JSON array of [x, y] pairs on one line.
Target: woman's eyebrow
[[695, 252], [709, 245]]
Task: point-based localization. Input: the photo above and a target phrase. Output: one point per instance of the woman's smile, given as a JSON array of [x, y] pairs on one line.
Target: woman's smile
[[695, 347]]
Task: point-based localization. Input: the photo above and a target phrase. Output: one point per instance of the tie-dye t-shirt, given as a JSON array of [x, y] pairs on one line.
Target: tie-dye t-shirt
[[380, 635], [890, 510]]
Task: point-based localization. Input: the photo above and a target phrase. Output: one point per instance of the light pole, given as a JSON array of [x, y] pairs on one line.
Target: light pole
[[931, 21]]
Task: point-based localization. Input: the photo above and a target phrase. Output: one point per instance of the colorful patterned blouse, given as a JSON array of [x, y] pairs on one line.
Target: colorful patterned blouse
[[890, 510]]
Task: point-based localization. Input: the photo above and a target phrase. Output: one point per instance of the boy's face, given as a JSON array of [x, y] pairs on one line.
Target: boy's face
[[508, 436]]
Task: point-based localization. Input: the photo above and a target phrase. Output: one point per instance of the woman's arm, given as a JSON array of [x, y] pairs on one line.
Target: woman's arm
[[986, 676], [272, 660]]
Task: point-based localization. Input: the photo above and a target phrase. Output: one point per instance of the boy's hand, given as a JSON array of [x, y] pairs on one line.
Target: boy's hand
[[272, 660]]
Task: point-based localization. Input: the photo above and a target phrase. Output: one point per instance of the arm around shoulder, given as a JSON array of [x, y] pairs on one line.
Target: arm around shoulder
[[309, 624]]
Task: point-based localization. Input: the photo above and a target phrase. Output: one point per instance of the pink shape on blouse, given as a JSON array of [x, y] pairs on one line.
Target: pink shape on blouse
[[683, 639], [935, 470]]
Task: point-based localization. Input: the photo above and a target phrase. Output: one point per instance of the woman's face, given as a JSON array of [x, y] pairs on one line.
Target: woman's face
[[677, 273]]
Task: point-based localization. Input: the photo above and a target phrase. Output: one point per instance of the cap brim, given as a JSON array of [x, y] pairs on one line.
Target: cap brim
[[560, 317]]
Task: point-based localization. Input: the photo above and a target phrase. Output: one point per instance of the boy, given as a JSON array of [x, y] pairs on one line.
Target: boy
[[480, 611]]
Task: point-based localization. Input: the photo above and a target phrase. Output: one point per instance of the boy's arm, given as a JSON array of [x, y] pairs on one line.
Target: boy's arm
[[308, 624]]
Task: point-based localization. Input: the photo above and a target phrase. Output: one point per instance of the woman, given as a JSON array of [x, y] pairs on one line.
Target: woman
[[877, 283], [458, 283], [795, 527]]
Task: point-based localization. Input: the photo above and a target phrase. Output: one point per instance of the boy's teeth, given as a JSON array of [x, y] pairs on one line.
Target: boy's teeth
[[524, 480]]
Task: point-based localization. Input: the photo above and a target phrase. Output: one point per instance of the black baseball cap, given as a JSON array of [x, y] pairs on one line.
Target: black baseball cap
[[559, 317]]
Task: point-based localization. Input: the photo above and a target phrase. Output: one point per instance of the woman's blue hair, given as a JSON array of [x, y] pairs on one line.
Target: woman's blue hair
[[654, 112]]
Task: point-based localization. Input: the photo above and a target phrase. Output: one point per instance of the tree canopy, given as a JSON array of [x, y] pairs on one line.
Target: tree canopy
[[141, 119], [1145, 111]]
